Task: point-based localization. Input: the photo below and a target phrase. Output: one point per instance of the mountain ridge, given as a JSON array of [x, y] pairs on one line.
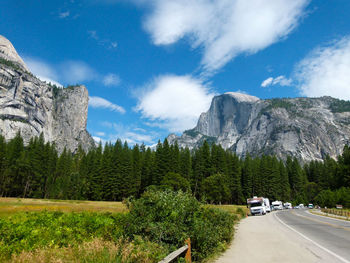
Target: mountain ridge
[[305, 128], [31, 106]]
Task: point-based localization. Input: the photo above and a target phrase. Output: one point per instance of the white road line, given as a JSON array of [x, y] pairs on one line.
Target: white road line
[[315, 243]]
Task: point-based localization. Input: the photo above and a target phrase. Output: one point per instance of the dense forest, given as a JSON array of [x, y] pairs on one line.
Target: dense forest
[[117, 171]]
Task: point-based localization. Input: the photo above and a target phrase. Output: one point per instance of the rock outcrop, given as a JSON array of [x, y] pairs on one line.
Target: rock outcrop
[[32, 107], [306, 128]]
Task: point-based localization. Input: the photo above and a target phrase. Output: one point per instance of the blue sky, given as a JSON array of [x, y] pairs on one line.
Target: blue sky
[[152, 66]]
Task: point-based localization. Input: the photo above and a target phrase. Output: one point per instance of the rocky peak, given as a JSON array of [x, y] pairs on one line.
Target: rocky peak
[[228, 112], [31, 106], [241, 97], [9, 53], [306, 128]]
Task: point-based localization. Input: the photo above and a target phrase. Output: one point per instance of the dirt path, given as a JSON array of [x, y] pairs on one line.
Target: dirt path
[[265, 239]]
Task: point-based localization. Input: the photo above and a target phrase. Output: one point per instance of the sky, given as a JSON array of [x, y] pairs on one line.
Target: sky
[[153, 66]]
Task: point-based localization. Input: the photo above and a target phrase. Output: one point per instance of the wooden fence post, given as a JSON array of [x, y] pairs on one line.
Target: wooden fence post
[[188, 252]]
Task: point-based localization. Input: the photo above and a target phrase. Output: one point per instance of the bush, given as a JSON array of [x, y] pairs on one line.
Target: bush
[[326, 198], [157, 223], [175, 182], [211, 229], [241, 212], [169, 218], [330, 198], [30, 231]]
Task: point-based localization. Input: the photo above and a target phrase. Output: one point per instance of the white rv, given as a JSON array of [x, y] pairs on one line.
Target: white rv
[[267, 205], [277, 205], [287, 205], [256, 205]]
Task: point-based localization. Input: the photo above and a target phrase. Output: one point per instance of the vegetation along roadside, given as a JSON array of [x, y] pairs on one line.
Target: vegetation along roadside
[[151, 227]]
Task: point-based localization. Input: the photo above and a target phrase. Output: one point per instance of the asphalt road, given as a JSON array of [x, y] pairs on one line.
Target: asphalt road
[[290, 236], [329, 235]]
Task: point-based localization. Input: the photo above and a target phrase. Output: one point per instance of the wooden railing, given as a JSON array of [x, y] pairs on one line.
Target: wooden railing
[[337, 212], [179, 252]]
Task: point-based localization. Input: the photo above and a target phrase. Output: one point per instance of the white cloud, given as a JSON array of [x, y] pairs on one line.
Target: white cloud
[[139, 137], [98, 139], [267, 82], [111, 80], [64, 14], [127, 133], [98, 102], [100, 134], [174, 102], [42, 70], [280, 80], [225, 28], [70, 72], [77, 72], [105, 42], [326, 71]]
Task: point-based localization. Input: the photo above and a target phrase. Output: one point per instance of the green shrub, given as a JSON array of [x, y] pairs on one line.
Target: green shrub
[[175, 182], [340, 106], [30, 231], [157, 223], [241, 212], [168, 217], [211, 229]]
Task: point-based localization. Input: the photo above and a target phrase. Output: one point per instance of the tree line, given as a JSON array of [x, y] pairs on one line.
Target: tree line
[[116, 171]]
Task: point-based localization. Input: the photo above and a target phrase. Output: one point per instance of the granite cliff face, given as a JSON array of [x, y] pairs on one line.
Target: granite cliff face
[[306, 128], [33, 107]]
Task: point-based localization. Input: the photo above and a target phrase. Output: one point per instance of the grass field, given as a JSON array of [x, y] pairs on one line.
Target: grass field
[[71, 236], [10, 206]]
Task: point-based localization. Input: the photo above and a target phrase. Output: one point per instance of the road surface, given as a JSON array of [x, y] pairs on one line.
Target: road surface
[[290, 236]]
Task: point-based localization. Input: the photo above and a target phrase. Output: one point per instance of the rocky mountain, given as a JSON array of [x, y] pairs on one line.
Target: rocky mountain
[[306, 128], [32, 106]]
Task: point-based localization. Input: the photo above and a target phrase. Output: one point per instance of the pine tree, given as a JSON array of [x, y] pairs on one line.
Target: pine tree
[[175, 158], [234, 178], [247, 176], [344, 166], [186, 164], [3, 164], [201, 168], [128, 186], [146, 170], [136, 163], [106, 174], [284, 191], [12, 179], [95, 180], [215, 189]]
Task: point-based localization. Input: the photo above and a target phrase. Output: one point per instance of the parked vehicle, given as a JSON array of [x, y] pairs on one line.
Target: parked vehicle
[[267, 205], [256, 205], [301, 205], [277, 205], [310, 206], [296, 207], [287, 205]]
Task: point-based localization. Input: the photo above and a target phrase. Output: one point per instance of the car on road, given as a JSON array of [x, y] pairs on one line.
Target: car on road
[[296, 207], [310, 206]]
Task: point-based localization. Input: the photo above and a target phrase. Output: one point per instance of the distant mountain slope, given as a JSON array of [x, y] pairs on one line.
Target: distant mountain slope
[[32, 107], [307, 128]]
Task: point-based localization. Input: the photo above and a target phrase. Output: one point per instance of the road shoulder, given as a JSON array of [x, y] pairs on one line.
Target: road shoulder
[[265, 239]]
